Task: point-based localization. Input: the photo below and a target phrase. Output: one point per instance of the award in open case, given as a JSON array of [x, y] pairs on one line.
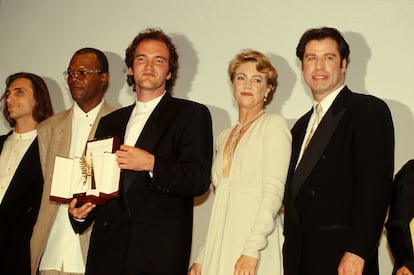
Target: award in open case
[[93, 177]]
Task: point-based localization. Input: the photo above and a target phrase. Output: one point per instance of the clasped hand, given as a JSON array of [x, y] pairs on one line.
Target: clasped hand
[[133, 158]]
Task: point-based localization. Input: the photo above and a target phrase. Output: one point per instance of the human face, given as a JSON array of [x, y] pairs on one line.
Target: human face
[[150, 69], [250, 87], [87, 91], [322, 67], [20, 100]]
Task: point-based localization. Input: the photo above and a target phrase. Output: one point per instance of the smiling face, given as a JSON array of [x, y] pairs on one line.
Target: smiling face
[[20, 100], [250, 87], [87, 90], [322, 67], [150, 69]]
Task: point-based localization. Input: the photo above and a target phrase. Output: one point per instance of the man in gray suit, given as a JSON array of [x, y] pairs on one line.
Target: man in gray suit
[[56, 249]]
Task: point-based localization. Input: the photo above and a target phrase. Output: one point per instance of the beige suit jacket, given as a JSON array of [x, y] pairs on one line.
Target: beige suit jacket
[[54, 135]]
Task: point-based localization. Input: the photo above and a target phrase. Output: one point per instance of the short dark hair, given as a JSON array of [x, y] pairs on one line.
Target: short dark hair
[[43, 108], [323, 33], [103, 61], [159, 35]]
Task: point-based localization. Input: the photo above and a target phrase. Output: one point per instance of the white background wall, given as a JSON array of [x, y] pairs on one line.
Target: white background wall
[[41, 36]]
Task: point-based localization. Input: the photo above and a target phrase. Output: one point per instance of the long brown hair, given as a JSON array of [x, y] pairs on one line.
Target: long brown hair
[[43, 108]]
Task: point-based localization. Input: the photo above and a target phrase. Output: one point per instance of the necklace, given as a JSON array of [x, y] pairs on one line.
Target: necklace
[[236, 133]]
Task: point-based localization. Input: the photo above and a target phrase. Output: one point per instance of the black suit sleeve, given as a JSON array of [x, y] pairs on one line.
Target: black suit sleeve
[[400, 215], [80, 226], [188, 172], [373, 157]]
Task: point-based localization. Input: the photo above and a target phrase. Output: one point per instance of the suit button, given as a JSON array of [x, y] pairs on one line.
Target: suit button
[[105, 223], [312, 192], [29, 209], [323, 157]]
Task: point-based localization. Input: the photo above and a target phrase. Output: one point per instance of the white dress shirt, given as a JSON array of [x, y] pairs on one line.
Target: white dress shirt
[[138, 118], [14, 148], [63, 249]]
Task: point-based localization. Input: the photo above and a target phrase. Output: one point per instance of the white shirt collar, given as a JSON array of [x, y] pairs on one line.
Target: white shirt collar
[[79, 113], [328, 100], [28, 135], [143, 107]]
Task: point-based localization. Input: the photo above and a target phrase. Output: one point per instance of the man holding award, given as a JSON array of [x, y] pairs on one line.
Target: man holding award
[[55, 247], [165, 157]]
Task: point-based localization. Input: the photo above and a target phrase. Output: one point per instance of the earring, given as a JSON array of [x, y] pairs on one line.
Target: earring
[[265, 98]]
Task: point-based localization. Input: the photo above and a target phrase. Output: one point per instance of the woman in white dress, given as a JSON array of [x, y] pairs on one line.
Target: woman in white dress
[[248, 173]]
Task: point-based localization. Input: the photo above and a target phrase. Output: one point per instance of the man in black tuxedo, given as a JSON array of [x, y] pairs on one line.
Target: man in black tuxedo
[[26, 104], [341, 170], [165, 160]]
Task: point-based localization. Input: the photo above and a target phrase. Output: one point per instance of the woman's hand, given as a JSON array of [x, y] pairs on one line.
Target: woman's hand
[[245, 265]]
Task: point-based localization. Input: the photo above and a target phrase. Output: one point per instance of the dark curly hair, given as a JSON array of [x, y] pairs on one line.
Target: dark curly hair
[[159, 35]]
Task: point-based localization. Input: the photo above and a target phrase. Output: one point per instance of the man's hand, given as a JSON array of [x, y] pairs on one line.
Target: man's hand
[[245, 265], [133, 158], [195, 269], [81, 212], [351, 264], [403, 271]]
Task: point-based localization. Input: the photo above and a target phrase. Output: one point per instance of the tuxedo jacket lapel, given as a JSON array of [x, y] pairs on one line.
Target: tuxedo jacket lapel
[[315, 149], [3, 139], [105, 109], [318, 142], [151, 134], [156, 125], [20, 180], [119, 126]]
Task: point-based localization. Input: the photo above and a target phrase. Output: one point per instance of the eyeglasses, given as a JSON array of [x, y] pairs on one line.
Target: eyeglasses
[[79, 73]]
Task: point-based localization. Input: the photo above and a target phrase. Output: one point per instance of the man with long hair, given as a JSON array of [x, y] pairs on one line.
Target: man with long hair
[[26, 104]]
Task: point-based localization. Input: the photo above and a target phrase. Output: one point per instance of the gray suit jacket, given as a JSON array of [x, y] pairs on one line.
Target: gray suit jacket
[[54, 136]]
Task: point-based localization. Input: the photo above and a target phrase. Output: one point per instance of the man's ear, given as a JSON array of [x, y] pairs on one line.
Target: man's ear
[[169, 75], [301, 65], [344, 64], [105, 78]]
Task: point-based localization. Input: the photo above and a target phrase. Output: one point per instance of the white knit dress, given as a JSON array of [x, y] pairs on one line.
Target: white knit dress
[[245, 215]]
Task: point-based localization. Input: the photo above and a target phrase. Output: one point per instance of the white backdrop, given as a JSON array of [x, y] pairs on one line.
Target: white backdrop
[[41, 36]]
